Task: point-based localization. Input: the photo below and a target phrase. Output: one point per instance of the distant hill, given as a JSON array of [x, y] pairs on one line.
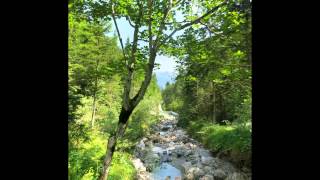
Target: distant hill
[[164, 77]]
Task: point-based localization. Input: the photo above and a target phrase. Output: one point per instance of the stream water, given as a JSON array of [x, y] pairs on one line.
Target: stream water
[[165, 170], [169, 154]]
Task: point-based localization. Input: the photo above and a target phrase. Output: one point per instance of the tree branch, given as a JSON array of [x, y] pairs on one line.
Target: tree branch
[[152, 55], [147, 79], [150, 3], [170, 23], [192, 22], [127, 88], [207, 27], [119, 36], [178, 2], [162, 24], [135, 36], [143, 40], [128, 18]]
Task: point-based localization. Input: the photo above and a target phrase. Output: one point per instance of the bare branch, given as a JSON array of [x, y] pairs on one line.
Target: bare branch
[[128, 18], [143, 40], [193, 22], [178, 2], [150, 3], [119, 36]]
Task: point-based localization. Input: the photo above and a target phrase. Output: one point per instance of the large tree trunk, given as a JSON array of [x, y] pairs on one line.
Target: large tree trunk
[[128, 104], [112, 142], [127, 108]]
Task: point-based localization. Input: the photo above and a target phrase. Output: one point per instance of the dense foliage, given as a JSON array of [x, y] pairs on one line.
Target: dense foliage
[[212, 92], [213, 86], [96, 81]]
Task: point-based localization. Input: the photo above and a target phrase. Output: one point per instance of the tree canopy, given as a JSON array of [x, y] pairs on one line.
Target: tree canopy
[[113, 94]]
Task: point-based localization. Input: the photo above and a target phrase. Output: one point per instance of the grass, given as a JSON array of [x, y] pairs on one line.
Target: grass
[[122, 167], [232, 141], [87, 160]]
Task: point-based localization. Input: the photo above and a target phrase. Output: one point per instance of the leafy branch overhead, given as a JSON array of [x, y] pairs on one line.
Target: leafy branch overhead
[[211, 40], [151, 21]]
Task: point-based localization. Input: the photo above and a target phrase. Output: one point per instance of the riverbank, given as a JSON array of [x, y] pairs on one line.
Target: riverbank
[[169, 153]]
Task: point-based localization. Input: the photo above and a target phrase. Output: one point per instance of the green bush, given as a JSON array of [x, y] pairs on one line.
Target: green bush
[[85, 160], [121, 167], [232, 140]]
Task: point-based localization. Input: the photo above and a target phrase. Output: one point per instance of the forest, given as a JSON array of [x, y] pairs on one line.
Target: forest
[[123, 126]]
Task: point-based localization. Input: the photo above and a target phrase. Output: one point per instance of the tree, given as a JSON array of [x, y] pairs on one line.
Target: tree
[[215, 65], [151, 20], [92, 78], [91, 57]]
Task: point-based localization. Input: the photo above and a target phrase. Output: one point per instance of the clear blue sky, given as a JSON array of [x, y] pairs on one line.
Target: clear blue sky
[[167, 64]]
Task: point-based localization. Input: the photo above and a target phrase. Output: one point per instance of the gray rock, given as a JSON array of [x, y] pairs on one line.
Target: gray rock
[[236, 176], [206, 160], [166, 159], [179, 152], [179, 155], [143, 176], [198, 172], [138, 165], [246, 170], [207, 169], [193, 161], [194, 173], [189, 176], [141, 145], [165, 128], [174, 145], [188, 152], [207, 177], [164, 152], [151, 161], [171, 143], [186, 166], [219, 174], [148, 143], [193, 158]]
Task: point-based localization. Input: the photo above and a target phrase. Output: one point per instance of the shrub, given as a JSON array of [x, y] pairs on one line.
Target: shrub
[[231, 140]]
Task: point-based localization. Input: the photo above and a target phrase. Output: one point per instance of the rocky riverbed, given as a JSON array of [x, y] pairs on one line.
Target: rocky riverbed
[[169, 154]]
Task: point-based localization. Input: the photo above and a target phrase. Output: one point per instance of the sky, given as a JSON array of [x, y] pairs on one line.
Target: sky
[[167, 70]]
